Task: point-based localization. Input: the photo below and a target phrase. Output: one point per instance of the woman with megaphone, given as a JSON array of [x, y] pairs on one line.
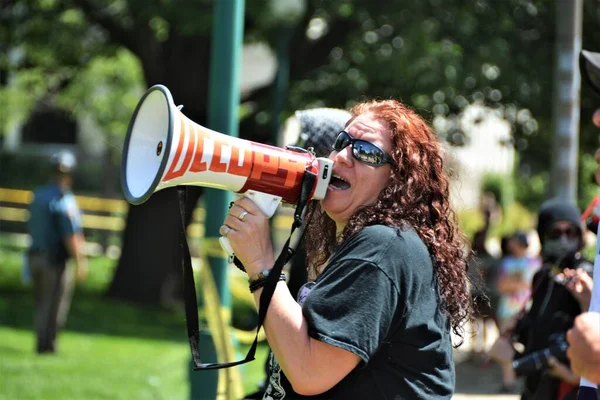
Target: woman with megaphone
[[387, 274]]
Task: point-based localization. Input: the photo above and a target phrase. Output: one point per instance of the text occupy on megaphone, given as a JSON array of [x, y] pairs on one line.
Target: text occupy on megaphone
[[260, 164]]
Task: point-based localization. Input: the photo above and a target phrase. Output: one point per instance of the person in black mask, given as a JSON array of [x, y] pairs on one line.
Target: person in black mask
[[560, 233], [555, 302]]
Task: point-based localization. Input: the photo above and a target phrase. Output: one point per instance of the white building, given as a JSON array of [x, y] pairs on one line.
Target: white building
[[488, 150]]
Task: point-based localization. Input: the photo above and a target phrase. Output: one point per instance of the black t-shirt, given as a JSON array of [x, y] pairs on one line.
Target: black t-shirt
[[378, 299]]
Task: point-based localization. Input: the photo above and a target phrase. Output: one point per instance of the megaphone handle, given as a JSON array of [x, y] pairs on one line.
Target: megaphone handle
[[266, 202]]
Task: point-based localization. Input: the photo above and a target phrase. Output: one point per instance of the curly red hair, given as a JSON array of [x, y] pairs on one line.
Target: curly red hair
[[418, 196]]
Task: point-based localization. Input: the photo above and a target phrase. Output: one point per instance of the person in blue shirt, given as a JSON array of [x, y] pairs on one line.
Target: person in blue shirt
[[56, 235]]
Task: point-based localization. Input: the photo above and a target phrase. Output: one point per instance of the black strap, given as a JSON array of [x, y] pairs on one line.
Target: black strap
[[189, 286]]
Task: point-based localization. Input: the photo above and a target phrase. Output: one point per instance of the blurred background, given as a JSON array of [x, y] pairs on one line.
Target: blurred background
[[498, 80]]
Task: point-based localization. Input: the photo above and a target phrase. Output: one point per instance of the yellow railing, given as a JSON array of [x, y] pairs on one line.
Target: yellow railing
[[13, 207], [114, 211]]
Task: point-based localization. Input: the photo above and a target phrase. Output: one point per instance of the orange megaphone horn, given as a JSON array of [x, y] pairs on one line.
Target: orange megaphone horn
[[163, 148]]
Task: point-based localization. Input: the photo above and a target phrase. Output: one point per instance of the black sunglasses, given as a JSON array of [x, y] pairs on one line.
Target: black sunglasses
[[364, 151], [570, 232]]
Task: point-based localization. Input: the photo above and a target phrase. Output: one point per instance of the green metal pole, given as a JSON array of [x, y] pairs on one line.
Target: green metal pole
[[223, 103], [284, 36]]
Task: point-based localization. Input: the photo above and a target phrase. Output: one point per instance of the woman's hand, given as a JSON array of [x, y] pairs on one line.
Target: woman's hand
[[247, 229], [580, 285]]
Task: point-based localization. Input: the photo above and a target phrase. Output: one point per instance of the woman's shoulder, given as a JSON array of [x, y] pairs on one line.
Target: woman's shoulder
[[380, 241], [384, 235], [369, 240], [386, 231], [374, 232]]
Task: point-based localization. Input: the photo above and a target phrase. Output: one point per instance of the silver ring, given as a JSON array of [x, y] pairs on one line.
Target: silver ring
[[242, 215], [227, 229]]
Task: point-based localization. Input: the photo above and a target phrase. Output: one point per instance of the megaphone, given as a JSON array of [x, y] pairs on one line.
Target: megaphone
[[163, 148]]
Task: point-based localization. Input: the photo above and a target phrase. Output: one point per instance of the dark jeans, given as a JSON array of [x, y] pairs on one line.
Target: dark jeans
[[52, 292]]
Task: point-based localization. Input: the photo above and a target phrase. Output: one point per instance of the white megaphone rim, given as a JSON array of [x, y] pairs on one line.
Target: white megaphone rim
[[139, 199]]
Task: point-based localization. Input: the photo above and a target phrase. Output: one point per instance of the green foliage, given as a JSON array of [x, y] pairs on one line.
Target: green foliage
[[589, 251], [57, 58], [438, 57], [28, 170], [470, 221], [514, 217], [44, 45], [26, 90], [107, 91], [531, 190], [502, 186], [24, 171], [587, 188]]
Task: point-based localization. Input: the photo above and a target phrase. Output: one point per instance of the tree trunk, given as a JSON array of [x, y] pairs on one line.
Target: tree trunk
[[149, 270]]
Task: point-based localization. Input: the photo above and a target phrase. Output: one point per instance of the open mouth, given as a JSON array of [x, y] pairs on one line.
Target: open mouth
[[338, 183]]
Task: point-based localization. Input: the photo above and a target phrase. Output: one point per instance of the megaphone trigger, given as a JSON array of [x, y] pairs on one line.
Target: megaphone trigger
[[225, 245]]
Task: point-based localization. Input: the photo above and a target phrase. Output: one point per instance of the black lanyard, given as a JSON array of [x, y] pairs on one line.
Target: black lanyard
[[189, 286]]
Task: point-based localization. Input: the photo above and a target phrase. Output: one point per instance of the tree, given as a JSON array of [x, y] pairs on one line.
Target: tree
[[437, 56], [441, 56], [174, 53]]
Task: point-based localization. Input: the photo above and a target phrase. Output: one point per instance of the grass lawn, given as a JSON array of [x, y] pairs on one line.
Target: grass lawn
[[108, 350]]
